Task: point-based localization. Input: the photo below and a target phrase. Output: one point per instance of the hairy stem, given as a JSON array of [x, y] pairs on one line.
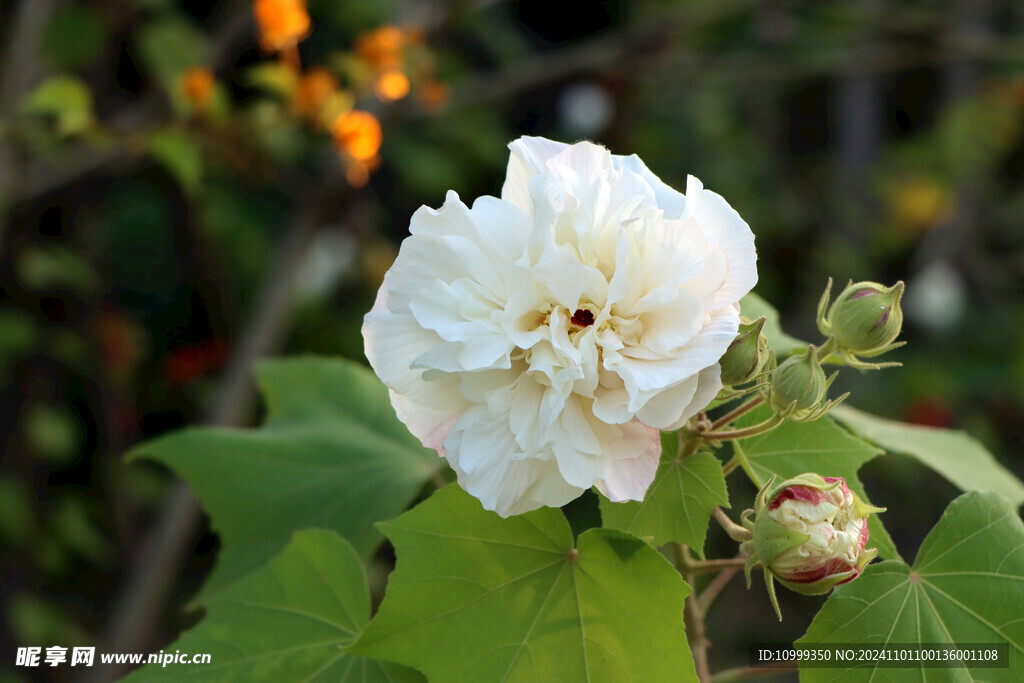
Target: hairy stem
[[734, 530], [728, 467], [693, 615], [753, 430], [710, 566], [715, 587], [733, 414], [697, 638], [826, 349]]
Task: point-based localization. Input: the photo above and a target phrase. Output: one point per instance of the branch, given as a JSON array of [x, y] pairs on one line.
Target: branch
[[152, 580], [715, 587], [22, 66], [21, 70]]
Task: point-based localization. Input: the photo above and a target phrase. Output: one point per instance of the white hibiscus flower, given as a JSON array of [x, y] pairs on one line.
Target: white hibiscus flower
[[540, 341]]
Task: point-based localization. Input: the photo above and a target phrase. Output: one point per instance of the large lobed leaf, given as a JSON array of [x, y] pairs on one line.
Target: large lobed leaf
[[821, 446], [331, 454], [966, 587], [475, 597], [955, 455], [677, 506], [289, 620]]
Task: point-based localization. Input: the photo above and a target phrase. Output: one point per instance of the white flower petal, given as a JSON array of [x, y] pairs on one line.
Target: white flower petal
[[671, 201], [666, 408], [528, 159], [629, 479], [724, 227], [392, 342], [430, 423], [642, 375], [709, 383], [489, 465], [461, 312]]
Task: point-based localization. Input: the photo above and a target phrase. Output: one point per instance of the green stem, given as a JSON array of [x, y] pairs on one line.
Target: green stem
[[697, 638], [753, 430], [714, 588], [728, 467], [826, 349], [693, 615], [710, 566], [734, 530], [733, 414]]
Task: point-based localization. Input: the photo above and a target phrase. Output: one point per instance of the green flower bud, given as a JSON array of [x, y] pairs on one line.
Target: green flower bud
[[866, 318], [798, 384], [746, 355]]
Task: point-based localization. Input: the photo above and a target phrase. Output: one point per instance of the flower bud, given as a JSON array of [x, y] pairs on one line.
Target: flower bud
[[746, 355], [798, 384], [810, 533], [866, 318]]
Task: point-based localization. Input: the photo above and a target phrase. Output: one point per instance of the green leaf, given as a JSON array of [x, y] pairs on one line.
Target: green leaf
[[75, 36], [479, 598], [272, 77], [678, 504], [50, 267], [753, 307], [79, 531], [180, 154], [821, 446], [42, 619], [67, 99], [330, 454], [288, 621], [966, 586], [170, 46], [52, 431], [955, 455], [17, 511]]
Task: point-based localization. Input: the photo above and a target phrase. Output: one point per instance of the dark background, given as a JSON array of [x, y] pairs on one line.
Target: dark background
[[141, 276]]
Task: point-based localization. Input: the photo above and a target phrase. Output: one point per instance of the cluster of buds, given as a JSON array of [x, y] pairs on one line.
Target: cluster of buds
[[809, 533], [864, 321]]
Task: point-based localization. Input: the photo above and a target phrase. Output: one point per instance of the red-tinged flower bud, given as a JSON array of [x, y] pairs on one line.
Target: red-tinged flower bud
[[811, 533]]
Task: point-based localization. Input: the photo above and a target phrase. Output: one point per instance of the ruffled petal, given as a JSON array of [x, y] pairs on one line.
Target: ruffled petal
[[629, 479], [725, 228], [671, 201], [644, 375], [490, 466], [529, 158]]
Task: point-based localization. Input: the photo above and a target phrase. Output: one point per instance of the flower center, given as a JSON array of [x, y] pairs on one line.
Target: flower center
[[582, 318]]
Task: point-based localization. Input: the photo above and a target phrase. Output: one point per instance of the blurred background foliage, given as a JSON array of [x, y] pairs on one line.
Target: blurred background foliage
[[187, 186]]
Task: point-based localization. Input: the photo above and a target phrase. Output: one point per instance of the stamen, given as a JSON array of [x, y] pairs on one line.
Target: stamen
[[582, 318]]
